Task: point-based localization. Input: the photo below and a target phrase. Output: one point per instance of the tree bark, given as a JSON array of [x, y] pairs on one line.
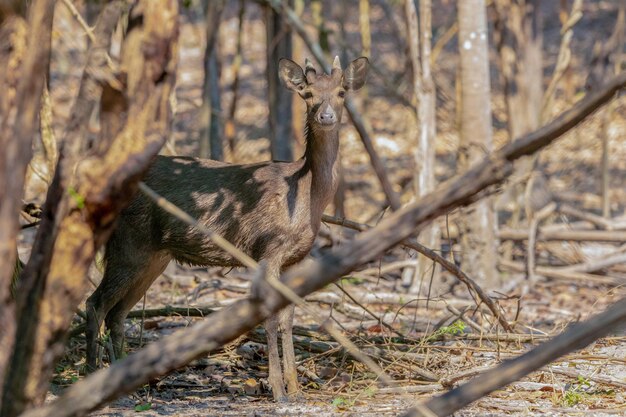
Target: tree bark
[[211, 144], [520, 42], [25, 59], [278, 45], [87, 193], [420, 34], [478, 223]]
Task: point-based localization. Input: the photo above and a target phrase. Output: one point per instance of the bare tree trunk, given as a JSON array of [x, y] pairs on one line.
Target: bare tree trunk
[[88, 192], [341, 16], [520, 42], [419, 36], [478, 223], [211, 132], [607, 61], [23, 64], [278, 46], [211, 145], [229, 128], [366, 36], [520, 46], [297, 105]]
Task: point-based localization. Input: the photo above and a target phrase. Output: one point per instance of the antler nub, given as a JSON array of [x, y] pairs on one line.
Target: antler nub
[[336, 71], [308, 65], [337, 63], [309, 70]]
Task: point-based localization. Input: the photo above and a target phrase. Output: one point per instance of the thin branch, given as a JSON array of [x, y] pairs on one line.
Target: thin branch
[[449, 266], [564, 57], [79, 18]]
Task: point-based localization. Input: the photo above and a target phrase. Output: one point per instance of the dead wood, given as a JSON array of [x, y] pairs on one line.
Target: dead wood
[[600, 263], [575, 373], [224, 326], [167, 311], [598, 221], [368, 311], [576, 337], [86, 196], [413, 389], [573, 235], [24, 58], [563, 273], [535, 218]]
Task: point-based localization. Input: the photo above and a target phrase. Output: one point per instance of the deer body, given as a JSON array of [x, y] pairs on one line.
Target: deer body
[[271, 210], [231, 204]]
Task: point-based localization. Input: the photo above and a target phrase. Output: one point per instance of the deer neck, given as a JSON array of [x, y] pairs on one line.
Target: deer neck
[[321, 161]]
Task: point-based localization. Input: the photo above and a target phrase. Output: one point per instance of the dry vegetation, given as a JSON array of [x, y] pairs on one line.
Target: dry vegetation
[[425, 346]]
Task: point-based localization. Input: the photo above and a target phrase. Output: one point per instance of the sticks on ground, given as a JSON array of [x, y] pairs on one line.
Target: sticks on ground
[[576, 337]]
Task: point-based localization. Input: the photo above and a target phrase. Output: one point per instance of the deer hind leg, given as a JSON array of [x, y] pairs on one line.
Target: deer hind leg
[[98, 305], [151, 268], [289, 356]]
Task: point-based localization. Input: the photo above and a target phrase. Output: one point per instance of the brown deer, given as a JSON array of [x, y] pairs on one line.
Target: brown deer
[[270, 210]]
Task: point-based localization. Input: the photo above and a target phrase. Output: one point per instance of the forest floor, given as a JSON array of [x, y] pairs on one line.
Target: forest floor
[[448, 337]]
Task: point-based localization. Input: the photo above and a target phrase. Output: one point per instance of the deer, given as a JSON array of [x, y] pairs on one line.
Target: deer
[[270, 210]]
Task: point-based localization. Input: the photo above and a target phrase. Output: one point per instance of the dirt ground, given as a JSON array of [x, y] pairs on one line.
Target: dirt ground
[[426, 337]]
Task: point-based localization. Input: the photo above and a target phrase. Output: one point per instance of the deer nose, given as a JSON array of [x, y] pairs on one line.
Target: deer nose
[[327, 116]]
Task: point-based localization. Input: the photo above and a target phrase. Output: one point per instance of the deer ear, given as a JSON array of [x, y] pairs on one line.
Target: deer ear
[[355, 75], [291, 74]]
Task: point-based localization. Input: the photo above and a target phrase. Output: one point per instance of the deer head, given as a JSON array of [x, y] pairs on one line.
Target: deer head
[[324, 94]]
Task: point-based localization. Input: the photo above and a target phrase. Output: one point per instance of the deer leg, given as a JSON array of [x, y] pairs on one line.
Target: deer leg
[[275, 373], [97, 308], [289, 356], [153, 267]]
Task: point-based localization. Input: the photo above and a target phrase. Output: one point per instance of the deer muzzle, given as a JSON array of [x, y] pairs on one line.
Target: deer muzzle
[[327, 116]]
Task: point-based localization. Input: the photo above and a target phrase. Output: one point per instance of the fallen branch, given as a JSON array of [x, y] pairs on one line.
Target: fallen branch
[[563, 273], [600, 263], [574, 235], [575, 373], [576, 337], [224, 326]]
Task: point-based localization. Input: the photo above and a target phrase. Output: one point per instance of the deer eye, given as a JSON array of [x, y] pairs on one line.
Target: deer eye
[[341, 94], [307, 95]]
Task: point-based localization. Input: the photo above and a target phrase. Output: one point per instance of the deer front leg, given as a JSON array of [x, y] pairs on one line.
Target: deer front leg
[[275, 373], [289, 356]]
